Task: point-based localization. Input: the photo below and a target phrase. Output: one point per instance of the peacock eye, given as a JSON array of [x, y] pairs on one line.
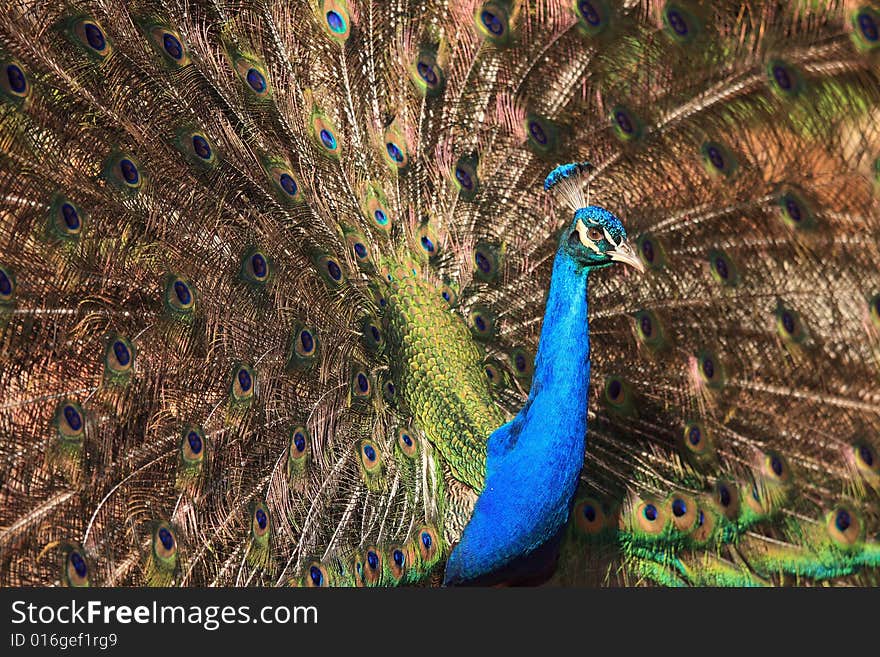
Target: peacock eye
[[595, 234]]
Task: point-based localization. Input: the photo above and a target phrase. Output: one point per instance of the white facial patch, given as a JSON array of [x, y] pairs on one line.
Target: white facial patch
[[608, 236], [581, 228]]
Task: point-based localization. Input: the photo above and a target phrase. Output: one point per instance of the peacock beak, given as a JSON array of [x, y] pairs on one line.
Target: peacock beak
[[623, 252]]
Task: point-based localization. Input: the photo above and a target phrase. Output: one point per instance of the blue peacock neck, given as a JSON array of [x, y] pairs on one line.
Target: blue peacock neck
[[534, 461], [562, 364]]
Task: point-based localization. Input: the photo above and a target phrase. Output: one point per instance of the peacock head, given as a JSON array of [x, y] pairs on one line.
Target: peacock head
[[596, 239]]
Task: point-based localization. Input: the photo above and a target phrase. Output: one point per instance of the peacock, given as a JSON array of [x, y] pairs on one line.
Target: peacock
[[439, 292]]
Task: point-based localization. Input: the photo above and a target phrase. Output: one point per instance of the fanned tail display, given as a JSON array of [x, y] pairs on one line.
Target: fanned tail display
[[273, 272]]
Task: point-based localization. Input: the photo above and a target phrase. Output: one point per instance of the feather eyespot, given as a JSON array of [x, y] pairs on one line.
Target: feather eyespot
[[303, 348], [718, 160], [395, 149], [196, 148], [726, 497], [169, 44], [298, 450], [316, 576], [398, 562], [495, 374], [487, 261], [627, 126], [448, 295], [536, 132], [865, 459], [14, 82], [407, 442], [589, 516], [67, 220], [522, 362], [844, 526], [775, 469], [389, 391], [164, 542], [329, 269], [394, 152], [91, 36], [255, 267], [650, 517], [192, 445], [482, 322], [541, 133], [372, 566], [70, 420], [179, 296], [593, 14], [680, 24], [172, 46], [254, 77], [361, 384], [123, 170], [375, 210], [427, 545], [305, 343], [710, 370], [336, 19], [649, 330], [785, 79], [286, 185], [256, 80], [704, 527], [683, 511], [76, 569], [7, 286], [723, 269], [697, 442], [243, 383], [94, 36], [201, 147], [129, 171], [866, 28], [427, 74], [16, 79], [428, 242], [464, 174], [651, 251], [336, 22], [119, 357], [325, 135], [298, 441], [789, 325], [794, 210], [261, 524], [617, 392], [380, 217], [493, 21], [373, 337]]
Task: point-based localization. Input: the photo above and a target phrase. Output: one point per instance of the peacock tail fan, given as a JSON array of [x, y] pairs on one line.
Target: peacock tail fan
[[272, 272]]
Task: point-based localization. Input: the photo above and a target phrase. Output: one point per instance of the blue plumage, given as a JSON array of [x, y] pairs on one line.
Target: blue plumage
[[533, 461]]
